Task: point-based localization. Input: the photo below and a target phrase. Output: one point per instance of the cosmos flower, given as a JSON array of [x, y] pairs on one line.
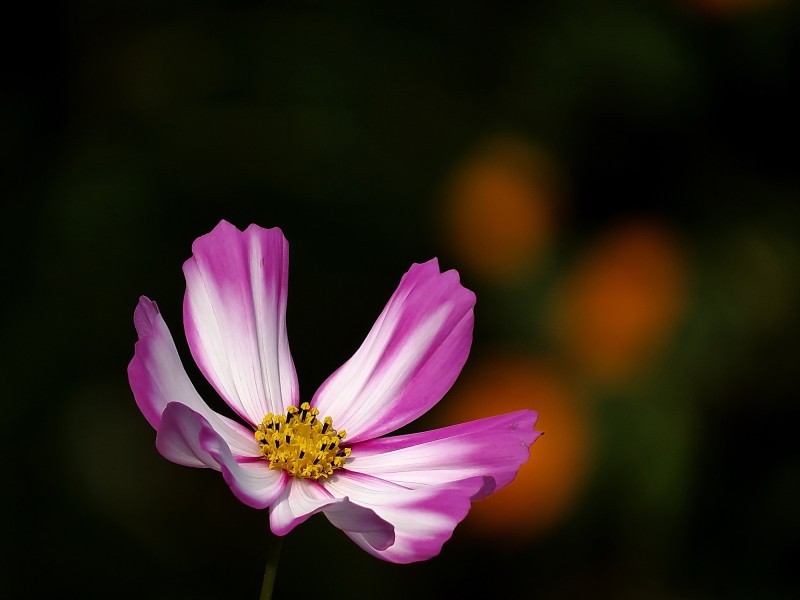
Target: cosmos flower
[[399, 498]]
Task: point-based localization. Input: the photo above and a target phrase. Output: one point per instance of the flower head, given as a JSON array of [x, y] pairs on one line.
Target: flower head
[[399, 497]]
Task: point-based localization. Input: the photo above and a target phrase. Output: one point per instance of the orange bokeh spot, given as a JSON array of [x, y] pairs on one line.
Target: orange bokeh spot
[[498, 208], [730, 7], [620, 304], [546, 486]]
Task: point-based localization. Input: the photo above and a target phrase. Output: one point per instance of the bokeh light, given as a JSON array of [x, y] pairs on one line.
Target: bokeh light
[[546, 487], [499, 208], [624, 297], [730, 8]]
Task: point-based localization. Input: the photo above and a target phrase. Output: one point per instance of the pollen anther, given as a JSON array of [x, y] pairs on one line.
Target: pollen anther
[[300, 444]]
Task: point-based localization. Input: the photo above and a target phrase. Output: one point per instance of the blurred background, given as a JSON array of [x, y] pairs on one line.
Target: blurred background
[[617, 181]]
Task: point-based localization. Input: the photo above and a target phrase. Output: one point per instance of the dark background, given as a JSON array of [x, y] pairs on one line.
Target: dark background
[[617, 181]]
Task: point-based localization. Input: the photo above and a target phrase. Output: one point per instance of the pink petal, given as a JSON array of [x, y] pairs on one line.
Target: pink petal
[[423, 518], [157, 377], [409, 360], [303, 497], [235, 317], [495, 447], [186, 438]]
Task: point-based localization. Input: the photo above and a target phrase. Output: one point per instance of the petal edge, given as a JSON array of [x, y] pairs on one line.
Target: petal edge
[[186, 438], [494, 447]]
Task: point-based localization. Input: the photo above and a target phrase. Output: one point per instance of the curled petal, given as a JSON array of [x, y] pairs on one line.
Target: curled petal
[[157, 378], [409, 360], [186, 438], [423, 518], [235, 318], [495, 447], [304, 497]]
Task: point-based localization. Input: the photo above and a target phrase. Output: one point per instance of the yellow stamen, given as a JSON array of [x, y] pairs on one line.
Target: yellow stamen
[[301, 444]]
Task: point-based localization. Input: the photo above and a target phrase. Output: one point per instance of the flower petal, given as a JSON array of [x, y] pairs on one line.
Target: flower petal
[[495, 447], [423, 518], [157, 377], [363, 522], [235, 318], [409, 360], [186, 438], [303, 497]]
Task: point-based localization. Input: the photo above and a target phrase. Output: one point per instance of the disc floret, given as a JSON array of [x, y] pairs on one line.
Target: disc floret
[[299, 443]]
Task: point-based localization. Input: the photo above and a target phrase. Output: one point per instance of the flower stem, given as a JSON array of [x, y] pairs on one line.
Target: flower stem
[[271, 570]]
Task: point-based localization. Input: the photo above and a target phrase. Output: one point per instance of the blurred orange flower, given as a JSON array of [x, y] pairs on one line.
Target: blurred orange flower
[[499, 208], [617, 308], [547, 485]]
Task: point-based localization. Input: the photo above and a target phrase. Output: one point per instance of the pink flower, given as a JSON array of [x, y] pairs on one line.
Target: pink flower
[[399, 498]]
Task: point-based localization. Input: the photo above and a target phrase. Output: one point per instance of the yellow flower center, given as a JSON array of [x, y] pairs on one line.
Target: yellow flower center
[[300, 443]]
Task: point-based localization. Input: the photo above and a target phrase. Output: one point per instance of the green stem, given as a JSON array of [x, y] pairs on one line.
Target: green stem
[[271, 570]]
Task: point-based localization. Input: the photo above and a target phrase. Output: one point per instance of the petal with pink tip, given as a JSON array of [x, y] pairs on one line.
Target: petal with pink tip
[[423, 518], [157, 378], [186, 438], [303, 498], [495, 447], [409, 360], [235, 317]]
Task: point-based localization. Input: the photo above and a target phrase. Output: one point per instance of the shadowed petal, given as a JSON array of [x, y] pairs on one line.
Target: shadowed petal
[[235, 318], [423, 518], [495, 447], [157, 378], [304, 497], [409, 360], [186, 438]]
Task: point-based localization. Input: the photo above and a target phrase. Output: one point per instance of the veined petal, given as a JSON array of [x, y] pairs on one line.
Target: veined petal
[[409, 360], [495, 447], [303, 497], [186, 438], [235, 318], [423, 518], [157, 378]]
